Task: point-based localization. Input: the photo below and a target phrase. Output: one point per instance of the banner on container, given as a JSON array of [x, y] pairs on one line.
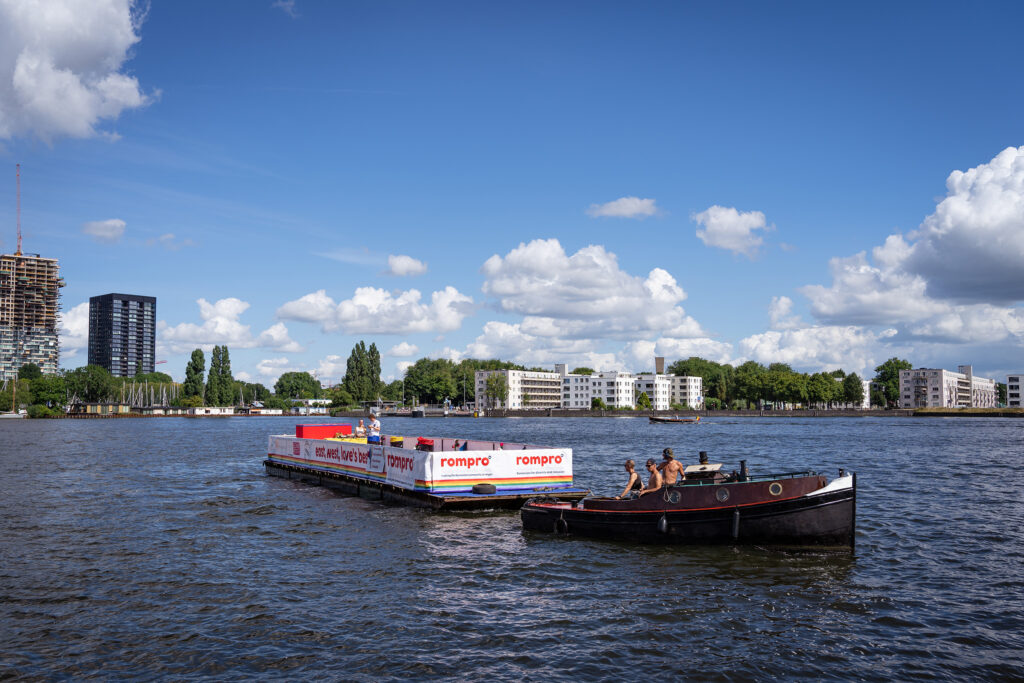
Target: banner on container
[[460, 470]]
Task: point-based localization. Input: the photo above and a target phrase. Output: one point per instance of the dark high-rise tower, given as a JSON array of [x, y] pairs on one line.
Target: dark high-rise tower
[[122, 333]]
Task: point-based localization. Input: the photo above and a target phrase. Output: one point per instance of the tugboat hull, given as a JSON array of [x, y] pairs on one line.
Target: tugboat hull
[[824, 518]]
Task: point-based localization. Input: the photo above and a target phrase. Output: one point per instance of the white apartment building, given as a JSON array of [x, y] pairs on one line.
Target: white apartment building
[[657, 387], [1013, 397], [526, 389], [687, 391], [615, 388], [935, 388], [576, 389]]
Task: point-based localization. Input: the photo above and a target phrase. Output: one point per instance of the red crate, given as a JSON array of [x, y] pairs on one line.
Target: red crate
[[322, 431]]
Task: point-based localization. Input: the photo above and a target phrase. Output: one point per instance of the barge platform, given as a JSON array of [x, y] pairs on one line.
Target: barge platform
[[429, 472]]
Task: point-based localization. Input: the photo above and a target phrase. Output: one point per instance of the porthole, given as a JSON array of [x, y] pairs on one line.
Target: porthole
[[775, 488], [722, 495], [673, 497]]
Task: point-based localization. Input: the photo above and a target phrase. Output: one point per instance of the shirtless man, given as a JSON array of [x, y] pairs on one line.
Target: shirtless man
[[654, 483], [671, 470]]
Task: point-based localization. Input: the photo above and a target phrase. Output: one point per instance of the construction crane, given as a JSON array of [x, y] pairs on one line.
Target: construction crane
[[17, 175]]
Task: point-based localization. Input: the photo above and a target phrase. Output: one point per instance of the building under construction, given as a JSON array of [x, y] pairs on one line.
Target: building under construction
[[29, 306]]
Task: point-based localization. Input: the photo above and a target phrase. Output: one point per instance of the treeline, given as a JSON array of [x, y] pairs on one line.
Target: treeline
[[754, 384]]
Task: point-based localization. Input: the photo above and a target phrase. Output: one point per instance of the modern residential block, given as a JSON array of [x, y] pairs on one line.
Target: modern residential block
[[935, 388], [122, 333]]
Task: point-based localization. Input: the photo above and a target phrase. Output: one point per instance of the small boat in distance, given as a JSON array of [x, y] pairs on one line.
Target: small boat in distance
[[675, 419], [708, 507]]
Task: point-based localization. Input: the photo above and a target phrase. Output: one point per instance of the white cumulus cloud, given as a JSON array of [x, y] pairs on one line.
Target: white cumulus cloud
[[402, 350], [106, 232], [221, 326], [378, 311], [585, 294], [952, 281], [849, 347], [74, 330], [61, 66], [401, 265], [726, 228], [971, 248], [624, 207]]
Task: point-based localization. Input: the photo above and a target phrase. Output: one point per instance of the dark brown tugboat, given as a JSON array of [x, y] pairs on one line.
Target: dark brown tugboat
[[708, 507]]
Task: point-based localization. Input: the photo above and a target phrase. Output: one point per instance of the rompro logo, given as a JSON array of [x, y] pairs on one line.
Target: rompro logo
[[400, 463], [538, 460], [478, 461]]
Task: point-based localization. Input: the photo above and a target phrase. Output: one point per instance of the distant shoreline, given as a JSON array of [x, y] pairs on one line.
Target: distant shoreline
[[557, 413]]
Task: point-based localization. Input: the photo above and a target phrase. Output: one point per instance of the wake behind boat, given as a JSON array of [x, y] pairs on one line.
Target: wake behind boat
[[675, 419], [708, 507]]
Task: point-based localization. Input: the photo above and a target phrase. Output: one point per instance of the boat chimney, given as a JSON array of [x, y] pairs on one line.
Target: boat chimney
[[744, 474]]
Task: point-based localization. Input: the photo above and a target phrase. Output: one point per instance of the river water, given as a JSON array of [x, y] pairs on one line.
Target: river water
[[159, 548]]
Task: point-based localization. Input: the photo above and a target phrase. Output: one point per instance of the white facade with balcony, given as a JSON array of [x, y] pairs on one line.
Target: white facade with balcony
[[526, 389], [935, 388]]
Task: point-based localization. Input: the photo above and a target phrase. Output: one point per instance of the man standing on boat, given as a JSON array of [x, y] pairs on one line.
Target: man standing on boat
[[654, 483], [374, 430], [670, 469]]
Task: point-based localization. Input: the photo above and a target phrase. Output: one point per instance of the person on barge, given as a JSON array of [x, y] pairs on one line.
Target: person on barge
[[360, 429], [373, 432], [654, 483], [633, 484]]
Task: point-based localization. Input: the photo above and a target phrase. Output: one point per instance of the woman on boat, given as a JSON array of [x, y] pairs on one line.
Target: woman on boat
[[360, 429], [633, 484]]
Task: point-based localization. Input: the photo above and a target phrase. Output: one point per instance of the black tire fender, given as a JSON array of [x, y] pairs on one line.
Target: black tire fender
[[485, 488]]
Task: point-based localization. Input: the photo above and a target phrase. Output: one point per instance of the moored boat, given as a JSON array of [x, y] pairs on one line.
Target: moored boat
[[435, 472], [788, 509], [696, 418]]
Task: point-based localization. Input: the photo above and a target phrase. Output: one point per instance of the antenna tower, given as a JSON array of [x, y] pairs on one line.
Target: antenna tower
[[17, 173]]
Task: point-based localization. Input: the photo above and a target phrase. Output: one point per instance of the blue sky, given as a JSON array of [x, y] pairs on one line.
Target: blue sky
[[590, 183]]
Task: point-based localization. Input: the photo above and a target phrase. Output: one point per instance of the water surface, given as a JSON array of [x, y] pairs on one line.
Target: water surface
[[158, 547]]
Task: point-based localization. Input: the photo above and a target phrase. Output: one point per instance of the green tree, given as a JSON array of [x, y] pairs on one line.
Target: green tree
[[597, 403], [155, 378], [226, 384], [29, 371], [1000, 394], [820, 389], [496, 390], [583, 371], [643, 401], [49, 390], [887, 375], [213, 379], [193, 385], [276, 403], [340, 398], [362, 373], [853, 390], [297, 385], [430, 380], [717, 378], [90, 384], [749, 382]]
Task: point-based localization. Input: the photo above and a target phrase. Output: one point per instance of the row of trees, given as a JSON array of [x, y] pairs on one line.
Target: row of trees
[[752, 383]]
